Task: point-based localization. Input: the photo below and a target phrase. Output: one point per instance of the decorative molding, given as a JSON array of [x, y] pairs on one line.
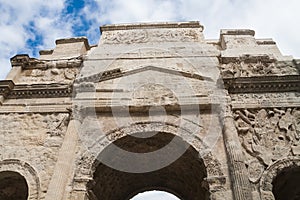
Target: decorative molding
[[5, 87], [116, 73], [192, 24], [289, 83], [26, 62], [9, 90], [144, 36], [41, 91]]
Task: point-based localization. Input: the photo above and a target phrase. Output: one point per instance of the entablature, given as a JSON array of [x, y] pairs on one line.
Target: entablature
[[10, 90], [289, 83]]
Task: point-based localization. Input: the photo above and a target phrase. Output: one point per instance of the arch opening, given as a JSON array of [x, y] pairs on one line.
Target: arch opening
[[286, 184], [155, 194], [13, 186], [185, 177]]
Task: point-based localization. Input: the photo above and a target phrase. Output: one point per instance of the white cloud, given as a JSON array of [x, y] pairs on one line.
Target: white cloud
[[275, 19], [22, 20]]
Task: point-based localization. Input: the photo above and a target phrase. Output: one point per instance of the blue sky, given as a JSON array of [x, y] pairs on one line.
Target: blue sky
[[28, 26]]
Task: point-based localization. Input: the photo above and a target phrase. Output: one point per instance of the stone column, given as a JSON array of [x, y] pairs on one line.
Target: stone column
[[238, 174], [64, 164]]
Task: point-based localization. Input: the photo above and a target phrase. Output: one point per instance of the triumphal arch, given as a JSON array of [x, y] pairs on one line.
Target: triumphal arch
[[152, 107]]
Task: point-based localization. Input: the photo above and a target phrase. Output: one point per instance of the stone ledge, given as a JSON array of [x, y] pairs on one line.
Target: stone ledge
[[237, 32], [267, 41], [247, 58], [46, 52], [290, 83], [74, 40], [20, 60], [6, 86], [10, 90], [117, 27]]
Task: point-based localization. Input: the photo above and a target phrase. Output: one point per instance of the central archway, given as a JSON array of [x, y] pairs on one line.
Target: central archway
[[185, 177]]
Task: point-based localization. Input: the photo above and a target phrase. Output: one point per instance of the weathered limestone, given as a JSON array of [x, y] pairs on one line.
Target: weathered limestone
[[152, 106]]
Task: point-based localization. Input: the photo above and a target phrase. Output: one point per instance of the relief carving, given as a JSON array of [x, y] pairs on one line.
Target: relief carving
[[267, 135], [57, 75], [262, 97], [242, 68], [143, 36], [154, 94]]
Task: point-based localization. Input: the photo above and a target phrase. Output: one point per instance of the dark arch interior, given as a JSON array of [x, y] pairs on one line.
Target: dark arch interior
[[286, 184], [13, 186], [184, 177]]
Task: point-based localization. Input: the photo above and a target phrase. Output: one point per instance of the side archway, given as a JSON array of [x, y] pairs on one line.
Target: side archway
[[13, 186], [280, 181], [27, 178]]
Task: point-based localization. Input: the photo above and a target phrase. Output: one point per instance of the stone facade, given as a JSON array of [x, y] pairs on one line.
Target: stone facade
[[152, 107]]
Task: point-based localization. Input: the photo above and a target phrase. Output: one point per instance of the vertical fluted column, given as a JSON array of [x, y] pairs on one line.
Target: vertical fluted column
[[238, 173], [64, 165]]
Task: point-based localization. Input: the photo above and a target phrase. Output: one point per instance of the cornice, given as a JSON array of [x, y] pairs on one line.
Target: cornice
[[116, 73], [9, 90], [26, 62], [118, 27], [5, 87], [289, 83]]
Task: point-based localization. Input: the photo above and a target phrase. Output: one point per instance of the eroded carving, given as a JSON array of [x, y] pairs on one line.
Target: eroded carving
[[260, 98], [143, 36], [57, 75], [267, 135], [243, 68], [154, 94]]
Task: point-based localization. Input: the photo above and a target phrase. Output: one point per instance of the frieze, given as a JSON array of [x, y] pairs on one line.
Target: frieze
[[9, 90], [264, 96], [52, 75], [261, 100], [40, 91], [144, 36], [267, 135], [26, 62], [249, 67]]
